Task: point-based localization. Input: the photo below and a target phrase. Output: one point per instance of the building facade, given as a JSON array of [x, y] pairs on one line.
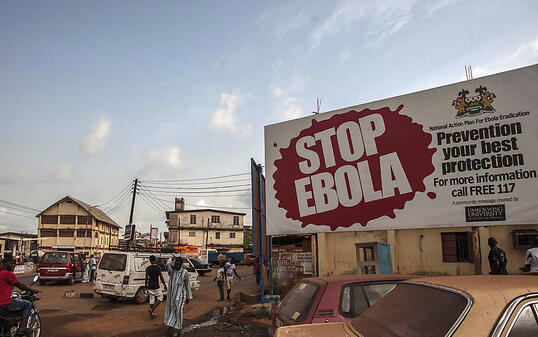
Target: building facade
[[211, 228], [17, 244], [70, 224], [433, 251]]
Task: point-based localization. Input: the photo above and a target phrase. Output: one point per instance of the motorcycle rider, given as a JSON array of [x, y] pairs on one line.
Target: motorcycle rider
[[7, 281]]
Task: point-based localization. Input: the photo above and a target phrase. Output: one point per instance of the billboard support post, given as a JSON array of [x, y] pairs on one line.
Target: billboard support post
[[260, 219]]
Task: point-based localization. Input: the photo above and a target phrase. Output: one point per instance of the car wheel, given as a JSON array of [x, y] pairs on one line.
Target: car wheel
[[140, 296]]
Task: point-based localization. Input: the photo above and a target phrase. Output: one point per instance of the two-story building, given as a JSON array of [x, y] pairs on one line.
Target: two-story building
[[70, 224], [209, 228]]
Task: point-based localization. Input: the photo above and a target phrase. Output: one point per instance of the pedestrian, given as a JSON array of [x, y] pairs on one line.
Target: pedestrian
[[93, 268], [220, 278], [179, 293], [153, 274], [229, 267], [257, 269], [86, 275], [497, 258], [531, 258]]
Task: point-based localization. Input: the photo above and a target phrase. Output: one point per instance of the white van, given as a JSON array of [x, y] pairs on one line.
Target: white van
[[123, 274]]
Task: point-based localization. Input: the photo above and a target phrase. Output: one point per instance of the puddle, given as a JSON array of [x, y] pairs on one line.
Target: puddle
[[215, 315]]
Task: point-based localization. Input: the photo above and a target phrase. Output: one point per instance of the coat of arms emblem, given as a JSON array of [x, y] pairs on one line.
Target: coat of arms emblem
[[474, 105]]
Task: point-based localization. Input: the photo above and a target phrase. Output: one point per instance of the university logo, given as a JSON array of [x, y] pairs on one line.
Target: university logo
[[474, 105]]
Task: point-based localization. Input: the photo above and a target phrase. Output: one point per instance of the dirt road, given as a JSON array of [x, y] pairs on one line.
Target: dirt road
[[204, 316]]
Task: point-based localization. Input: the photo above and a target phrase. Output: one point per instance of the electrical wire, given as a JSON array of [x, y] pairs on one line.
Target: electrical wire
[[119, 193], [195, 192], [118, 204], [151, 204], [22, 208], [162, 209], [194, 183], [156, 199], [217, 207], [192, 188], [26, 216], [198, 179], [120, 200]]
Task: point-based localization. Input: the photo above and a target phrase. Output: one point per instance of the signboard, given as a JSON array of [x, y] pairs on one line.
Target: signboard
[[129, 229], [154, 233], [460, 155]]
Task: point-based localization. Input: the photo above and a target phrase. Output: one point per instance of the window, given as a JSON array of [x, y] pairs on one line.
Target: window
[[193, 218], [66, 233], [96, 234], [236, 220], [215, 219], [398, 312], [192, 234], [67, 219], [54, 258], [217, 235], [82, 233], [232, 235], [357, 298], [84, 220], [298, 302], [457, 247], [49, 219], [113, 262], [526, 325], [48, 233]]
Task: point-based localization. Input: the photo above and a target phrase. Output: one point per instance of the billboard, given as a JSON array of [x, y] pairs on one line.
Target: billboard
[[464, 154], [154, 233]]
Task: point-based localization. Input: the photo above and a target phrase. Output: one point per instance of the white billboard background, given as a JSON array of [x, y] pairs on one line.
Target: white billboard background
[[516, 100]]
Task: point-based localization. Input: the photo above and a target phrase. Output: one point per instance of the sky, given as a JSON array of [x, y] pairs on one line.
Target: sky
[[96, 94]]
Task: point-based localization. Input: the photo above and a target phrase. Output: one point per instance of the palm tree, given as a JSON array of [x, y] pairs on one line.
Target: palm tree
[[481, 90]]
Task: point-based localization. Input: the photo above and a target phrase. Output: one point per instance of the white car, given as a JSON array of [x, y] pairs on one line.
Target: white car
[[123, 274]]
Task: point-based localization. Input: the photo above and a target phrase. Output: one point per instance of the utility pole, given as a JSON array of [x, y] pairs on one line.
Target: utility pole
[[132, 211], [207, 233]]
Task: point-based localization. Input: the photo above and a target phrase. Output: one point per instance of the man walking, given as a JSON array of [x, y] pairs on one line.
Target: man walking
[[179, 294], [497, 258], [220, 278], [230, 271], [153, 274]]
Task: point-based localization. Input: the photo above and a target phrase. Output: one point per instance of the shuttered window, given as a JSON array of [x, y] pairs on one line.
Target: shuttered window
[[457, 247], [49, 219], [67, 219], [84, 220]]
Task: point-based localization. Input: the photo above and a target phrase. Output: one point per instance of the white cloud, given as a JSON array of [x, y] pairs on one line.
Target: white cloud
[[98, 136], [62, 173], [434, 6], [287, 107], [201, 202], [345, 55], [224, 118], [168, 156], [384, 18]]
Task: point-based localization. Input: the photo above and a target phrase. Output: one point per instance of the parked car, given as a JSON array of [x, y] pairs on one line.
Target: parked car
[[123, 274], [332, 298], [201, 267], [459, 306], [60, 266], [249, 259]]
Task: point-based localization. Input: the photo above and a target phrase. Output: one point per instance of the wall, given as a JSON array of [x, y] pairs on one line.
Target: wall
[[417, 251]]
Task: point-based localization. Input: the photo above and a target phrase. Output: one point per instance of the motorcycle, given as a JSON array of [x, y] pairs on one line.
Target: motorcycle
[[10, 320]]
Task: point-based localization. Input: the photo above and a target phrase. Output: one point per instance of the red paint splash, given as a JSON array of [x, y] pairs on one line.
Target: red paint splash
[[401, 135]]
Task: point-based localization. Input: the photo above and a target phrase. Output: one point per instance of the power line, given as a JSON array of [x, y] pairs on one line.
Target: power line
[[201, 192], [157, 199], [192, 188], [159, 206], [120, 200], [151, 203], [118, 194], [194, 183], [207, 206], [19, 206], [29, 217], [198, 179], [202, 196], [118, 204]]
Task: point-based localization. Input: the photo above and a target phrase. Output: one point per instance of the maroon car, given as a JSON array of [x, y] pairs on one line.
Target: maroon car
[[332, 298], [60, 266]]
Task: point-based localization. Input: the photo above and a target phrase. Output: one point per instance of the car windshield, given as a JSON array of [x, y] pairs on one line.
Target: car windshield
[[298, 301], [54, 258], [197, 262], [113, 262], [412, 310]]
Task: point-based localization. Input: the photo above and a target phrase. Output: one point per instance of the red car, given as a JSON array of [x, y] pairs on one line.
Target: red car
[[332, 298], [60, 266]]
